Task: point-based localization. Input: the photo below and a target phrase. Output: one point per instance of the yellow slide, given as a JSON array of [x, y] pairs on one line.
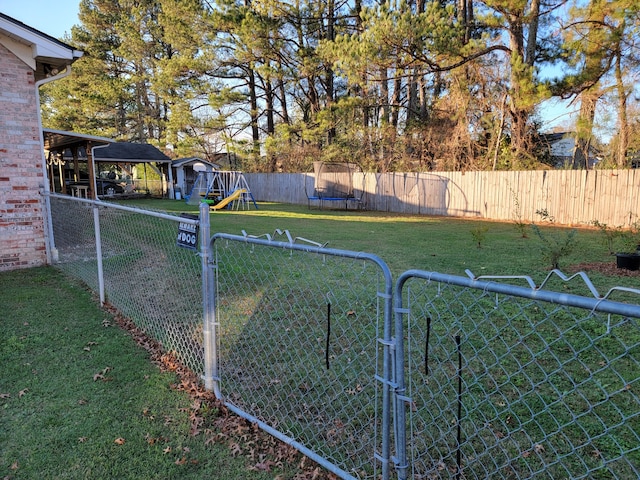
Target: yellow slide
[[226, 200]]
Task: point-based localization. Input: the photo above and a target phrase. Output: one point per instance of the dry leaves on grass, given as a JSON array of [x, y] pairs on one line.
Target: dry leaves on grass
[[21, 394], [263, 452], [101, 375], [605, 268]]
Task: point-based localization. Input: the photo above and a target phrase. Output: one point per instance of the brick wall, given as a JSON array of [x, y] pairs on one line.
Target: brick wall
[[22, 233]]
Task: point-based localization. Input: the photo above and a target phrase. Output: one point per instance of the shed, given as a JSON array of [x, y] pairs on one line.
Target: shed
[[185, 171]]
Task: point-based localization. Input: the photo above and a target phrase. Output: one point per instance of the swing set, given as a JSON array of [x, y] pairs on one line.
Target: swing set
[[221, 189]]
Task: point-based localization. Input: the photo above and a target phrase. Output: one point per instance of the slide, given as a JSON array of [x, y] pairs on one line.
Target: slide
[[226, 200]]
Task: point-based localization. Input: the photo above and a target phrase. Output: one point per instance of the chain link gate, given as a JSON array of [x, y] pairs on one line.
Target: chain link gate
[[482, 379], [303, 348], [504, 381]]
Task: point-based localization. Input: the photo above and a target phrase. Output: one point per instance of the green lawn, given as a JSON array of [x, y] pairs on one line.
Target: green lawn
[[79, 399], [444, 244]]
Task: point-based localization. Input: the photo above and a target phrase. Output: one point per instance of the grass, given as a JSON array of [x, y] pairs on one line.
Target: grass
[[442, 244], [61, 412], [79, 399], [545, 354]]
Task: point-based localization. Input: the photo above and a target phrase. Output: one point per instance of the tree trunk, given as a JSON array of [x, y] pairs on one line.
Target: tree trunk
[[384, 98], [331, 134], [584, 128], [589, 96], [623, 125], [395, 102], [283, 96], [253, 102]]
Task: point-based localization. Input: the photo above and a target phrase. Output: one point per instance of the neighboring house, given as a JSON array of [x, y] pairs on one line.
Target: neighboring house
[[185, 171], [561, 147], [28, 59]]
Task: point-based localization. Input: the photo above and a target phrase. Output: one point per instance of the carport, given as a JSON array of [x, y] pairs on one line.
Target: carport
[[75, 161]]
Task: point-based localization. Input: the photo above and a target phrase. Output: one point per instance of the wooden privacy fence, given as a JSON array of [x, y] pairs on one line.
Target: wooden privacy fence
[[571, 197]]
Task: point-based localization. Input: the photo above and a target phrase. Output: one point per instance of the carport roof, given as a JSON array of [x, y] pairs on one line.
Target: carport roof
[[106, 150], [59, 140], [119, 152]]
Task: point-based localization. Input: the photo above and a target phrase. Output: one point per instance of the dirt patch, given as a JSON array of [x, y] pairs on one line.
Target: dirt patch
[[604, 268]]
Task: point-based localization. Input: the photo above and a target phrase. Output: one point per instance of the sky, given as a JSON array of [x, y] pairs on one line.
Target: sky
[[53, 17], [56, 17]]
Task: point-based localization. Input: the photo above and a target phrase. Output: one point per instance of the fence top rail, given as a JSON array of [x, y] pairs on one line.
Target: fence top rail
[[100, 203], [308, 247], [599, 304]]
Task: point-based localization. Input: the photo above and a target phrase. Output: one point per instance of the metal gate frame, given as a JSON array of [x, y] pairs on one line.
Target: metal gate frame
[[212, 375], [485, 284]]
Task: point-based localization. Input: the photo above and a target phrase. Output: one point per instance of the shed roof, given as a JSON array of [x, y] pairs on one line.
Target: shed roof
[[179, 162]]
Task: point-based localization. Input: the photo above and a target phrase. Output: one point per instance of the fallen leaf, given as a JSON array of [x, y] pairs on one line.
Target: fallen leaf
[[82, 439], [119, 441], [181, 461], [101, 375], [14, 466], [5, 395], [166, 450], [235, 449], [264, 466], [22, 393], [539, 448]]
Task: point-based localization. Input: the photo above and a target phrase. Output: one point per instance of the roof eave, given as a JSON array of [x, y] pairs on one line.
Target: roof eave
[[42, 52]]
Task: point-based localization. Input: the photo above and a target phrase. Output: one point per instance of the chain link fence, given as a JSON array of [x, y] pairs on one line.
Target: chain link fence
[[512, 382], [299, 351], [478, 379], [140, 269]]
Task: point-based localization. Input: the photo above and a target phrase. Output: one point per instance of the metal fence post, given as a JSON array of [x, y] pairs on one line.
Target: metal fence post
[[208, 303], [96, 226]]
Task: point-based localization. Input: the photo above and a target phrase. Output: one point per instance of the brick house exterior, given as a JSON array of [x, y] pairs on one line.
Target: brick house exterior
[[28, 58]]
